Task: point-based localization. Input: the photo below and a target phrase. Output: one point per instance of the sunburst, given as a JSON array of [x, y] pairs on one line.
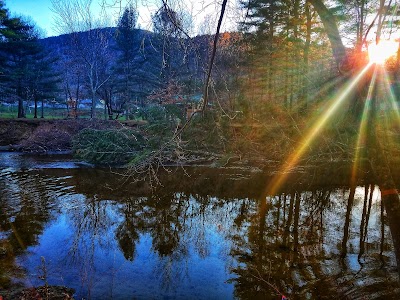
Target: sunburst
[[379, 53]]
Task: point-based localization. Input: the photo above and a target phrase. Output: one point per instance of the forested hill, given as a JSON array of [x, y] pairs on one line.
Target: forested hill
[[152, 61]]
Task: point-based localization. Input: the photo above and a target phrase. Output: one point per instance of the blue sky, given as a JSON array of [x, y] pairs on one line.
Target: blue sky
[[38, 10]]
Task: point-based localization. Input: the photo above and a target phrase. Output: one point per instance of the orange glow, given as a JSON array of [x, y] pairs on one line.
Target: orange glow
[[379, 53]]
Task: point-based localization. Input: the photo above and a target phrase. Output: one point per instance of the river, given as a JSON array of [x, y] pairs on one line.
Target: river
[[191, 233]]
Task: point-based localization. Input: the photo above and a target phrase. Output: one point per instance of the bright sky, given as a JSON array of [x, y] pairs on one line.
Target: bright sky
[[40, 12]]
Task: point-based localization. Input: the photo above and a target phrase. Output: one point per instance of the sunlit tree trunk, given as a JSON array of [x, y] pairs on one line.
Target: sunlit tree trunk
[[332, 30]]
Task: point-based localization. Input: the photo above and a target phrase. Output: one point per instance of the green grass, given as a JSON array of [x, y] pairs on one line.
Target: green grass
[[7, 112], [49, 113]]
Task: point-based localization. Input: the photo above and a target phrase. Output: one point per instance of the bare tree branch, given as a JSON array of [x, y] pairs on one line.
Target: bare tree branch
[[206, 84]]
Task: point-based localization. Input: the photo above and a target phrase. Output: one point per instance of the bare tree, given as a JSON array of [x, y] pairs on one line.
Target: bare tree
[[89, 41]]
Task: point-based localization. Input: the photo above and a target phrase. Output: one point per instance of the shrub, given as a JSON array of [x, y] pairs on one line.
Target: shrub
[[107, 147]]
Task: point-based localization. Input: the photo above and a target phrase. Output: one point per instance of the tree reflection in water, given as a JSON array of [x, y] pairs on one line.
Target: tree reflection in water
[[191, 235], [308, 248]]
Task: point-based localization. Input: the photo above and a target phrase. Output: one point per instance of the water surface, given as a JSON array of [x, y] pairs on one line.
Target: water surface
[[202, 233]]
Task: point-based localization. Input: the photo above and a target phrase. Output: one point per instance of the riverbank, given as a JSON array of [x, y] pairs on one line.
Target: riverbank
[[55, 136], [49, 136], [212, 143]]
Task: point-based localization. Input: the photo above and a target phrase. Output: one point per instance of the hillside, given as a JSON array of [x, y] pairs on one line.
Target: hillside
[[156, 62]]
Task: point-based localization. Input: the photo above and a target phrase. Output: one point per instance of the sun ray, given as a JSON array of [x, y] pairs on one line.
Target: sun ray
[[392, 98], [276, 182], [390, 115], [362, 132]]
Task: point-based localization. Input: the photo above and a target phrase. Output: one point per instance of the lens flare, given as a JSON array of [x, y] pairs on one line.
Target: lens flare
[[393, 106], [379, 53], [390, 113], [362, 132], [277, 181]]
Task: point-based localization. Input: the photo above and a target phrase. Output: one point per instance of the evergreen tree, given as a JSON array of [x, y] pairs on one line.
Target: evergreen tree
[[18, 49], [285, 36], [12, 29], [25, 68], [127, 65], [19, 60], [44, 83]]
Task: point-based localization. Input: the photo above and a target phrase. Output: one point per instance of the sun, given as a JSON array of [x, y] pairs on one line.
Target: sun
[[379, 53]]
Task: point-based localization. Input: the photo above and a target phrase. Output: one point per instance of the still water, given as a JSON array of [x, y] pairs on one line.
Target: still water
[[200, 233]]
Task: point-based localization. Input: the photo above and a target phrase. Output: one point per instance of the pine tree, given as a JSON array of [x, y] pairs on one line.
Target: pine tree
[[18, 69], [21, 58], [282, 33], [17, 52], [44, 83], [127, 64]]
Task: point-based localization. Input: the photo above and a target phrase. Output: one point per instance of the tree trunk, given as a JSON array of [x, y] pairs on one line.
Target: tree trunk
[[36, 103], [289, 220], [331, 28], [380, 166], [21, 112], [42, 108], [362, 224], [391, 202], [306, 54], [93, 106]]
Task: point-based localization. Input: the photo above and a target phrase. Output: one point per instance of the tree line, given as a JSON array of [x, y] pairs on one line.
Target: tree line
[[284, 53], [120, 68]]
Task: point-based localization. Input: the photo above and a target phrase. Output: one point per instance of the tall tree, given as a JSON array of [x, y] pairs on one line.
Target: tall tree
[[19, 50], [285, 36], [44, 81], [128, 45]]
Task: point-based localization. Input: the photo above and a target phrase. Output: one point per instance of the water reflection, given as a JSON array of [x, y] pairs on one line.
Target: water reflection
[[295, 242], [206, 236]]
